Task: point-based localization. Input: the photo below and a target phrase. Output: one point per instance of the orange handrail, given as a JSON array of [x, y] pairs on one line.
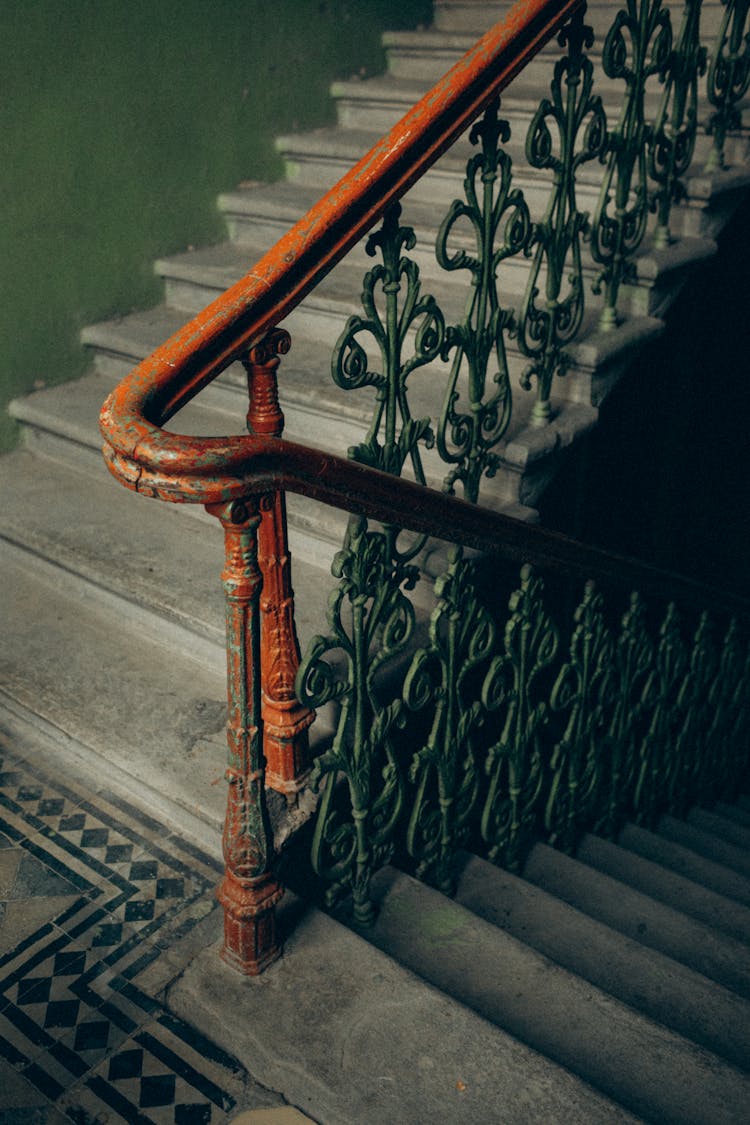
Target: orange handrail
[[137, 450]]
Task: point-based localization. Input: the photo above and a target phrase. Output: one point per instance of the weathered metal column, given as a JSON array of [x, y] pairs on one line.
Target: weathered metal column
[[285, 720], [249, 891]]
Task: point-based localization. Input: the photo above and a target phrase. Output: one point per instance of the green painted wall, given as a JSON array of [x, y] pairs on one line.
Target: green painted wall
[[121, 120]]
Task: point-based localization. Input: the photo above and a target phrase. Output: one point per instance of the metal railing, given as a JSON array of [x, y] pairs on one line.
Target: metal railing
[[525, 723]]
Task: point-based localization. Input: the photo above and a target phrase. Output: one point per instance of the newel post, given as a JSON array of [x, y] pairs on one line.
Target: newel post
[[249, 891], [285, 720]]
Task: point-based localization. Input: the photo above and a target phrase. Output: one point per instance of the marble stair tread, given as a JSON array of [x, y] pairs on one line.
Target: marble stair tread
[[123, 548], [733, 812], [387, 1046], [684, 894], [712, 820], [677, 857], [476, 16], [706, 843], [638, 916], [196, 277], [159, 738], [652, 983], [638, 1063]]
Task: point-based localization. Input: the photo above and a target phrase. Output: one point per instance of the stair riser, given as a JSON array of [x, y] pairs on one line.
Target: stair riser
[[315, 531], [475, 18], [362, 112]]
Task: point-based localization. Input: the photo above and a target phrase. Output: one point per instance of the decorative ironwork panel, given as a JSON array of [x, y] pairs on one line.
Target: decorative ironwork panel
[[582, 692], [633, 664], [513, 691], [637, 46], [371, 622], [661, 697], [573, 112], [499, 219], [724, 699], [683, 765], [728, 76], [675, 129], [394, 306], [443, 677]]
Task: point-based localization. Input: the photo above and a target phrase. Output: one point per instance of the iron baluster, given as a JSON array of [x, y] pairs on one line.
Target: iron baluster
[[249, 891], [545, 330], [582, 690], [393, 436], [441, 677], [512, 690], [371, 622], [467, 435], [633, 664], [722, 702], [683, 766], [728, 77], [661, 697], [676, 127], [619, 222]]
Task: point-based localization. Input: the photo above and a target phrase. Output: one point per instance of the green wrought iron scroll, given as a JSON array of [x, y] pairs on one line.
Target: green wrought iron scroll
[[728, 76], [513, 695], [582, 692], [676, 127], [573, 111], [637, 47], [499, 219], [446, 770]]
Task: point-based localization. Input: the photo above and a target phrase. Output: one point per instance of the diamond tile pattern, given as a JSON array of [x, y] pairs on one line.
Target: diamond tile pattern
[[75, 1025]]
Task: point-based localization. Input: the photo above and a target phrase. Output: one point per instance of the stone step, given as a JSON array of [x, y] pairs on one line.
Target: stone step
[[676, 857], [713, 820], [642, 918], [62, 423], [474, 17], [649, 982], [195, 278], [124, 549], [700, 902], [139, 715], [386, 1047], [636, 1062], [733, 812], [313, 405], [376, 104], [705, 843]]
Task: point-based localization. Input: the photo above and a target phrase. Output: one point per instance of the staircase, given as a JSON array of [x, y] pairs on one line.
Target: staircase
[[613, 986]]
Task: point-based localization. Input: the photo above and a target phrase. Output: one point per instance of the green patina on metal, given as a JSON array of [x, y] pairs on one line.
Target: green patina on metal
[[557, 273], [442, 678], [636, 48], [633, 658], [728, 76], [372, 622], [393, 436], [532, 722], [676, 127], [662, 694], [513, 695], [582, 692], [468, 432]]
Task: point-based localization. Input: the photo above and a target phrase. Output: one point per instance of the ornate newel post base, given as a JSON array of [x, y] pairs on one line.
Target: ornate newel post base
[[248, 892], [250, 942], [285, 720]]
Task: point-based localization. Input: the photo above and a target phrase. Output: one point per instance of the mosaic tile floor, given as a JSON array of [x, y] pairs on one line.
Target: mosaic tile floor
[[99, 910]]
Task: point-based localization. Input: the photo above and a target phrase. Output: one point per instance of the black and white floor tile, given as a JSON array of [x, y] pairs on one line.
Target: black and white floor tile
[[94, 901]]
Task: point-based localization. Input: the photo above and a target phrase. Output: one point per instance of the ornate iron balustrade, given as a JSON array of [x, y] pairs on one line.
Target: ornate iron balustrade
[[524, 723]]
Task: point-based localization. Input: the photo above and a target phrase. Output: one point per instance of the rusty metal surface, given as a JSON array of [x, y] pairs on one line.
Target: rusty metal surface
[[133, 414]]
